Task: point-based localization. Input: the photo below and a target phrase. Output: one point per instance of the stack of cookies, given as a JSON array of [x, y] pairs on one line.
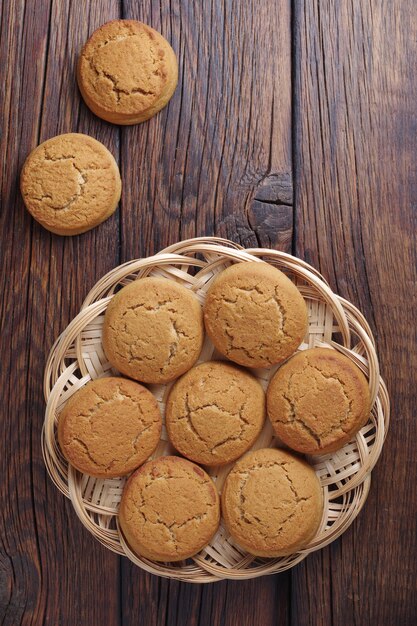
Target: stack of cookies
[[271, 502]]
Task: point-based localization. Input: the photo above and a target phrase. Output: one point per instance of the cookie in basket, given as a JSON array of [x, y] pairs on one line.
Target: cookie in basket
[[272, 503], [153, 330], [127, 72], [109, 427], [70, 183], [215, 412], [169, 509], [255, 315], [318, 401]]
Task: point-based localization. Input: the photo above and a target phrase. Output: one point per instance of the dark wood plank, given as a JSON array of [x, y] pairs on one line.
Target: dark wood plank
[[355, 197], [53, 572], [20, 559], [247, 602], [196, 169]]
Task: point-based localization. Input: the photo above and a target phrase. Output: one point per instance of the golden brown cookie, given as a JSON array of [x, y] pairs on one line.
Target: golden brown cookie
[[317, 401], [70, 183], [215, 412], [169, 510], [109, 427], [272, 503], [255, 315], [127, 72], [153, 330]]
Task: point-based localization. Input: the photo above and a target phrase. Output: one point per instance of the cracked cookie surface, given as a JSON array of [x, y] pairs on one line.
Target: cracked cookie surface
[[153, 330], [272, 503], [215, 412], [255, 315], [70, 183], [109, 427], [317, 401], [127, 72], [169, 510]]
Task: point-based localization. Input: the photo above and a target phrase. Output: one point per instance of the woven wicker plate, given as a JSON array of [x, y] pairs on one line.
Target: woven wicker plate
[[77, 357]]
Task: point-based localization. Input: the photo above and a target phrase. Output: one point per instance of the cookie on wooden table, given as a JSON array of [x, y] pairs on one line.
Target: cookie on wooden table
[[127, 72], [109, 427], [318, 401], [215, 412], [70, 183], [272, 503], [255, 315], [169, 510], [153, 330]]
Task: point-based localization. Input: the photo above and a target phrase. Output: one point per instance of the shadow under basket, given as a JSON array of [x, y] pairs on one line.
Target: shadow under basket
[[77, 357]]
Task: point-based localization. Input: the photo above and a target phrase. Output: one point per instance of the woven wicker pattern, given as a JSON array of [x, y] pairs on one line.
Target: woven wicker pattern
[[77, 357]]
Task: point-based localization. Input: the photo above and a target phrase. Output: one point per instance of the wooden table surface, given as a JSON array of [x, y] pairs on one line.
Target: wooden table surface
[[293, 126]]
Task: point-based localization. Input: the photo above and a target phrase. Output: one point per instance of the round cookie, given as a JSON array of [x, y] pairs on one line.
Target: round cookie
[[255, 315], [272, 503], [215, 412], [153, 330], [70, 183], [169, 510], [127, 72], [317, 401], [109, 427]]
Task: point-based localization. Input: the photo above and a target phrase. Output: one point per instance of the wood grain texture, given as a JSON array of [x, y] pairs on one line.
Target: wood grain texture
[[44, 281], [283, 110], [194, 169], [355, 197]]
